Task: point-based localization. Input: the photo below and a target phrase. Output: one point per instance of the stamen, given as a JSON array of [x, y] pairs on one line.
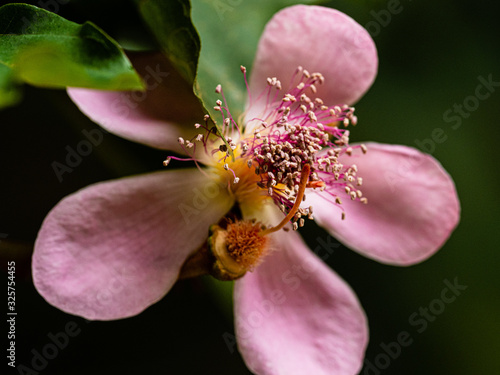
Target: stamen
[[283, 145], [244, 71], [298, 200]]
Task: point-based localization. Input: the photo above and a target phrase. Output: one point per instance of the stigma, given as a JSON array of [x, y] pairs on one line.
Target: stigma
[[236, 249]]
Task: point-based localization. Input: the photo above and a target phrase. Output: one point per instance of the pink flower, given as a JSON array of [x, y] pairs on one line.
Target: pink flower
[[114, 248]]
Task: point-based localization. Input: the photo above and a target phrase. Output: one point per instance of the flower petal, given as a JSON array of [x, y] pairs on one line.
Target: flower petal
[[412, 206], [112, 249], [153, 117], [321, 40], [295, 316]]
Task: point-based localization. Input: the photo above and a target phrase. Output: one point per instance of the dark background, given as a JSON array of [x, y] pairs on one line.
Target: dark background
[[431, 57]]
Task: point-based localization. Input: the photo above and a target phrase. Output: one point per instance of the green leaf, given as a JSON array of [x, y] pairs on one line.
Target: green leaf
[[229, 32], [170, 22], [44, 49], [9, 92]]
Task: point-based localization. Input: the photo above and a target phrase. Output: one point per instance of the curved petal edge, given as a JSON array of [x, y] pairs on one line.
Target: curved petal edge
[[114, 248], [295, 316], [320, 40], [412, 208]]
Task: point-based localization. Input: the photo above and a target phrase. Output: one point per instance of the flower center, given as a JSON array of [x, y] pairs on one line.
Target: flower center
[[264, 159], [291, 143]]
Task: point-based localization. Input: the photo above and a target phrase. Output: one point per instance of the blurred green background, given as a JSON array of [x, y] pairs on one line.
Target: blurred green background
[[432, 56]]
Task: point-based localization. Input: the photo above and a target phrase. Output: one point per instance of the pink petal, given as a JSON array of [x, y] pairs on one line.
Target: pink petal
[[114, 248], [321, 40], [412, 206], [295, 316], [153, 117]]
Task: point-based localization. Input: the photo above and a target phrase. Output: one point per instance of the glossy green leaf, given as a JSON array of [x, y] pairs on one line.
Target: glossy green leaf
[[170, 22], [229, 32], [44, 49]]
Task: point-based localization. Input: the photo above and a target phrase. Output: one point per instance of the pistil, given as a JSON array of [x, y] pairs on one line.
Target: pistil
[[298, 200]]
